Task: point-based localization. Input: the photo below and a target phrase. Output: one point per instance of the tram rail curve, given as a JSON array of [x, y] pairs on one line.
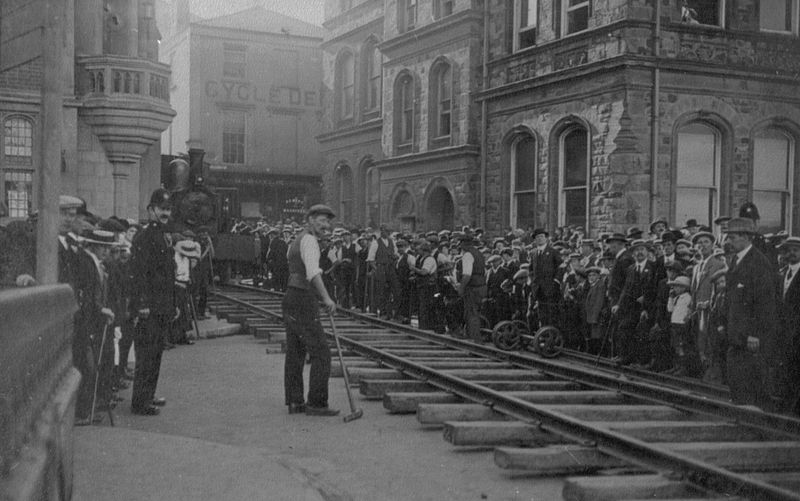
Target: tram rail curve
[[612, 419]]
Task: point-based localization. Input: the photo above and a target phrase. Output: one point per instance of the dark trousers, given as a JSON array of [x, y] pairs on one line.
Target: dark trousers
[[630, 344], [385, 285], [82, 359], [125, 342], [473, 296], [746, 377], [304, 334], [149, 338], [428, 319]]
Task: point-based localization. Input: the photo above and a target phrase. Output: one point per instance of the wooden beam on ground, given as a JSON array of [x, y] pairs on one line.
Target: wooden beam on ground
[[620, 412], [406, 402], [785, 480], [437, 414], [613, 488], [684, 431], [494, 433], [375, 388], [358, 373], [554, 460]]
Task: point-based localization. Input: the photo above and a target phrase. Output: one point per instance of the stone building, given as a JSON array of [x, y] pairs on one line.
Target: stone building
[[116, 104], [598, 113], [247, 89]]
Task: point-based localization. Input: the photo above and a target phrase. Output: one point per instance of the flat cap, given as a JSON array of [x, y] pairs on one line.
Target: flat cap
[[318, 209]]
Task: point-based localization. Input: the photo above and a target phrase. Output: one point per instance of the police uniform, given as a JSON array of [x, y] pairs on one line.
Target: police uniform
[[152, 267]]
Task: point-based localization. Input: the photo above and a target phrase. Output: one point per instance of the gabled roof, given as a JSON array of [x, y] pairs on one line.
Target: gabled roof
[[258, 18]]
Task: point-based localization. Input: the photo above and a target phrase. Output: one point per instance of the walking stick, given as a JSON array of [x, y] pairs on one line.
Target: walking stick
[[99, 357], [193, 311], [354, 413], [606, 336]]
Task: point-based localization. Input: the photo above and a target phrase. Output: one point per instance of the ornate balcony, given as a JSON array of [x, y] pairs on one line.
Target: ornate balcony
[[126, 101]]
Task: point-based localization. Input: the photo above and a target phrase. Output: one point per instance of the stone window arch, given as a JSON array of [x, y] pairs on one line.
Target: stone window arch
[[404, 116], [344, 85], [440, 113], [523, 155], [343, 182], [574, 179], [372, 67]]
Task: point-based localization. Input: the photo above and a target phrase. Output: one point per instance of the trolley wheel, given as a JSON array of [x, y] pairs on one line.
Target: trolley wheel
[[549, 342], [506, 335]]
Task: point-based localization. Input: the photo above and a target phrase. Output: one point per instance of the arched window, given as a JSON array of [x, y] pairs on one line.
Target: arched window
[[441, 104], [346, 83], [344, 193], [697, 181], [17, 166], [523, 182], [373, 62], [574, 178], [404, 111], [773, 158]]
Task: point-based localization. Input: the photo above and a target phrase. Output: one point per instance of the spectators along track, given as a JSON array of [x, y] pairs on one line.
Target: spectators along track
[[562, 416]]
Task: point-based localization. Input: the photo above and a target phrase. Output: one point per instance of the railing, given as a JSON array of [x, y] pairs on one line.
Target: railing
[[37, 393], [114, 75]]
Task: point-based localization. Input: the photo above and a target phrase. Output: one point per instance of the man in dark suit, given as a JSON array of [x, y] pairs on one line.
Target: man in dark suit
[[751, 316], [789, 326], [495, 276], [636, 306], [276, 260], [152, 268], [545, 288], [623, 259]]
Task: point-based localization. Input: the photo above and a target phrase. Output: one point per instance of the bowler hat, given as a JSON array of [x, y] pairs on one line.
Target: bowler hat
[[539, 231], [741, 225], [690, 223], [618, 237], [319, 209], [640, 243], [634, 232]]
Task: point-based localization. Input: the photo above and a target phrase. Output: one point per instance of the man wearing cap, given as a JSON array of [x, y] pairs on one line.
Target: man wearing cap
[[545, 289], [658, 227], [402, 296], [701, 290], [691, 227], [623, 259], [635, 307], [300, 309], [789, 325], [425, 270], [471, 286], [380, 262], [751, 316], [495, 276], [152, 268]]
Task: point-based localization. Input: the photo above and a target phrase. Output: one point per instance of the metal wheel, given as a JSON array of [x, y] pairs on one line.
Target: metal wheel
[[505, 335], [549, 342]]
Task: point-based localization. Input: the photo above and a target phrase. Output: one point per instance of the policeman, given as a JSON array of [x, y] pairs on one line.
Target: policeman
[[304, 332], [152, 268]]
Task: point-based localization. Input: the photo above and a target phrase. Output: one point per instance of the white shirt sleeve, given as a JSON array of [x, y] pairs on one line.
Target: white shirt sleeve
[[309, 252], [466, 264], [373, 249], [429, 265]]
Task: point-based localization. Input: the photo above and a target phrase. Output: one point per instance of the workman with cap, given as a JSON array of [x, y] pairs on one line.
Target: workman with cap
[[152, 267], [471, 285], [304, 334], [276, 260], [381, 258]]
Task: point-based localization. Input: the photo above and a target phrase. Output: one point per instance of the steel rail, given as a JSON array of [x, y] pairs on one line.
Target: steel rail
[[702, 387], [676, 398], [615, 444]]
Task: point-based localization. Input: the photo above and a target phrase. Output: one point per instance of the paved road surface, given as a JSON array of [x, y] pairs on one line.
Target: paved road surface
[[225, 435]]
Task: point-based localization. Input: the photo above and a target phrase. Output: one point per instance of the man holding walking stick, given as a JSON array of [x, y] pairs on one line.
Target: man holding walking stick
[[300, 309]]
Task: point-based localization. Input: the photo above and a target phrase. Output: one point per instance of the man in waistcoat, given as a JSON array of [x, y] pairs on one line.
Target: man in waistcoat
[[304, 334], [471, 278], [380, 262]]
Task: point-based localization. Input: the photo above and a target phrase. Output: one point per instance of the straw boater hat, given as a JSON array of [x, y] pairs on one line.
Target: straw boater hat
[[618, 237], [99, 237], [493, 258], [594, 269], [789, 242], [188, 248], [640, 243], [659, 220], [681, 282], [69, 202]]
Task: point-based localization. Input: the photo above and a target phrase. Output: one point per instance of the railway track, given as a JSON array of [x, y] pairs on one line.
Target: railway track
[[566, 416]]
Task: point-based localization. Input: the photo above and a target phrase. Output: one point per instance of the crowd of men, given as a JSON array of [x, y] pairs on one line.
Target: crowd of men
[[136, 285], [717, 303]]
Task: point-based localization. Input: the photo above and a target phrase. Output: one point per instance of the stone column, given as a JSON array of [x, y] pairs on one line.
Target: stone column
[[124, 189], [132, 16]]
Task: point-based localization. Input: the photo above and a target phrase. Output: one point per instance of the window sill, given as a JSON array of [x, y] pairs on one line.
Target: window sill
[[440, 142], [403, 149]]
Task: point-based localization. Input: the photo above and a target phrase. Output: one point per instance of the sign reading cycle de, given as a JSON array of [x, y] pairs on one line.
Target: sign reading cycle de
[[247, 92]]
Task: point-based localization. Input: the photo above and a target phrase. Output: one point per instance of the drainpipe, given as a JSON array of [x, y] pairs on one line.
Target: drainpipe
[[484, 118], [655, 122]]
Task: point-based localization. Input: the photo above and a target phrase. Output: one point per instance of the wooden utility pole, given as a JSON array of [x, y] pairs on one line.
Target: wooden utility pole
[[49, 185]]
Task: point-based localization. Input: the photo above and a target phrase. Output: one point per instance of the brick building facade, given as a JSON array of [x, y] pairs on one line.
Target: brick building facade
[[247, 89], [552, 112], [116, 105]]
